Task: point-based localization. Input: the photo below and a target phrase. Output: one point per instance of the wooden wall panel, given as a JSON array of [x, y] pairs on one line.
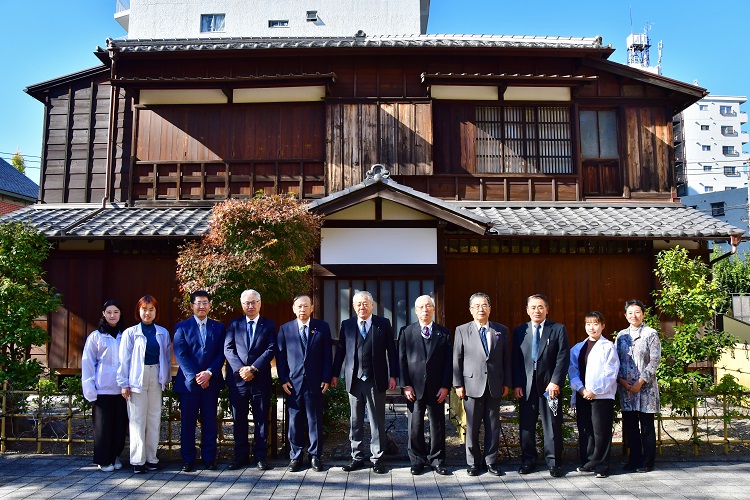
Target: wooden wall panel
[[590, 282]]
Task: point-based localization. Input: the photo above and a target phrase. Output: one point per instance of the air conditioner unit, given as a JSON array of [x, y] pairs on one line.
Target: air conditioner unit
[[312, 16]]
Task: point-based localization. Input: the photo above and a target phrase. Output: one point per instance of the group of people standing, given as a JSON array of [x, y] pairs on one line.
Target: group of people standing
[[126, 370]]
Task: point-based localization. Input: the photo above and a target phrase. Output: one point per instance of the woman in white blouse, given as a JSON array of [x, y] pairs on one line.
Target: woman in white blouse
[[593, 378], [99, 366]]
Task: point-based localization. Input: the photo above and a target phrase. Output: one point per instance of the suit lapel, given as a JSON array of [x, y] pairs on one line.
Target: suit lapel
[[544, 340], [474, 331], [432, 342]]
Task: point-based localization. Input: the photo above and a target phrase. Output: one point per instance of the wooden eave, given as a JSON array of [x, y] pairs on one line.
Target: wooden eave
[[506, 78], [289, 80]]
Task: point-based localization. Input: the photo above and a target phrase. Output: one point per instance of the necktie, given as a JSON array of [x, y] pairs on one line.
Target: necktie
[[303, 336], [535, 344], [483, 338], [249, 334], [363, 330], [426, 332], [203, 334]]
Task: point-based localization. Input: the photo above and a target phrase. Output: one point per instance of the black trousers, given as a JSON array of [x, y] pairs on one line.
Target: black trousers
[[640, 435], [594, 419], [110, 418], [417, 448], [530, 408]]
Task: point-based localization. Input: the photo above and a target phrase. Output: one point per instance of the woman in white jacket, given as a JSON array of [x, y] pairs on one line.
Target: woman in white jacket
[[101, 359], [145, 359], [593, 378]]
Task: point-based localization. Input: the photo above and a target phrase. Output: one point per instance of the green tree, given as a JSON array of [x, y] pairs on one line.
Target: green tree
[[24, 296], [732, 275], [265, 243], [689, 295], [18, 162]]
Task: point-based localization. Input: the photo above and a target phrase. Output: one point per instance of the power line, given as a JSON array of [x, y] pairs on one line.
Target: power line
[[20, 154]]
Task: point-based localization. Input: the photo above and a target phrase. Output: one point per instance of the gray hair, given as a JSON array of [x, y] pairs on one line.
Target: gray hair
[[428, 296], [365, 294], [479, 295], [249, 292]]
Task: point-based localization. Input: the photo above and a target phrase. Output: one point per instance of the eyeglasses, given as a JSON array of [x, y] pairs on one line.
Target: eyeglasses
[[251, 303], [480, 306], [202, 303], [426, 306]]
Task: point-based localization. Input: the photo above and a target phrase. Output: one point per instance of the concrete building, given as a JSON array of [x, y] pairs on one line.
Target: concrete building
[[175, 19], [708, 146], [729, 205]]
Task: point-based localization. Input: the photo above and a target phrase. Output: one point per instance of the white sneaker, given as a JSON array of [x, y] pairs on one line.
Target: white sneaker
[[107, 468], [118, 464]]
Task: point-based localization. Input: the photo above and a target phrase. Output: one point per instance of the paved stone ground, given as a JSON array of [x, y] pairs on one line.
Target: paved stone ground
[[61, 477]]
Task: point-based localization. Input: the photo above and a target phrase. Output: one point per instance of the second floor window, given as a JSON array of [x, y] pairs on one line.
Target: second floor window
[[278, 23], [727, 130], [717, 209], [730, 170], [708, 189], [727, 150], [725, 110], [523, 139], [211, 23]]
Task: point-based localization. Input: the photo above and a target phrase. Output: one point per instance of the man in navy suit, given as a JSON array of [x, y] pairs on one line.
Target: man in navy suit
[[303, 360], [425, 355], [199, 350], [541, 356], [250, 346], [367, 346]]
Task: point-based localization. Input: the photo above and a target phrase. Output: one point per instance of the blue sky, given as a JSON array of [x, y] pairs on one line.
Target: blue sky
[[703, 41]]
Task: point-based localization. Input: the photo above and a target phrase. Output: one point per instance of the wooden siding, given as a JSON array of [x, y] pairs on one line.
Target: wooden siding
[[649, 152], [574, 284], [76, 143], [359, 135]]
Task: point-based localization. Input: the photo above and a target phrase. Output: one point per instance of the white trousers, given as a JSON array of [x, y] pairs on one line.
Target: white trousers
[[144, 411]]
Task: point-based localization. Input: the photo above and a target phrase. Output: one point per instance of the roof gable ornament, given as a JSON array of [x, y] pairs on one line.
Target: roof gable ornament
[[378, 172]]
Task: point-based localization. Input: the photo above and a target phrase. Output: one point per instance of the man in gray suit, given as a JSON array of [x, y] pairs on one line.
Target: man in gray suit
[[481, 375], [541, 356]]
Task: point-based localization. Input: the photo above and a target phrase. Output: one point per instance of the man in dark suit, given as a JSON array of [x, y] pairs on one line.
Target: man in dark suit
[[250, 346], [199, 351], [541, 355], [367, 351], [425, 367], [481, 375], [303, 360]]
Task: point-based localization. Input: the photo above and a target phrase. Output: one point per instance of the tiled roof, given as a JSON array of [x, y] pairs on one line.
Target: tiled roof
[[653, 221], [14, 182], [402, 41], [67, 221]]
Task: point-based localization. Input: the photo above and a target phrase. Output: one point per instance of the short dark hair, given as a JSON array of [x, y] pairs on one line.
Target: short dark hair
[[199, 293], [480, 295], [599, 317], [634, 302], [538, 296]]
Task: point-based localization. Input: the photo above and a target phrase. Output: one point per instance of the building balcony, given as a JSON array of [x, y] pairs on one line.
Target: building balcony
[[122, 13], [744, 137], [743, 117]]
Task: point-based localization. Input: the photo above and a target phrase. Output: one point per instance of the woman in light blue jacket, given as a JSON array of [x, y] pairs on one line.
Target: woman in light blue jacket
[[593, 378], [101, 359], [145, 359]]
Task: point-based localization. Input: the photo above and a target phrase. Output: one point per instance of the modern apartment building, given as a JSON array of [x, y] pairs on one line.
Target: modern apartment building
[[175, 19], [708, 146]]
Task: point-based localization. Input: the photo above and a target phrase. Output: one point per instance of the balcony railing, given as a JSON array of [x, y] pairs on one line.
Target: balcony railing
[[122, 6]]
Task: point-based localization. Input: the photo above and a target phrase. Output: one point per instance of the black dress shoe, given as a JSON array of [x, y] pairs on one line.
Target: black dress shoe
[[473, 470], [238, 463], [494, 470], [152, 466], [316, 464], [416, 469], [442, 470], [584, 470], [354, 465], [210, 465], [555, 471], [262, 465], [295, 465], [188, 467], [645, 468], [378, 467], [527, 469]]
